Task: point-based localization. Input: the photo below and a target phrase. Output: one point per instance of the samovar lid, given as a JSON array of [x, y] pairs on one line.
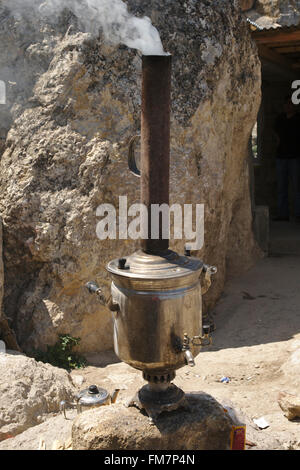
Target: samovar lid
[[143, 265]]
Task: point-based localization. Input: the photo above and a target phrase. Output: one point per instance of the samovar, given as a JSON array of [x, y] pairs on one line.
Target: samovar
[[156, 294]]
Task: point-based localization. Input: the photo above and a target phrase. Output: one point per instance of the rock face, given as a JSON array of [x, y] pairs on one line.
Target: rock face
[[274, 13], [73, 104], [6, 333], [291, 367], [247, 4], [206, 427], [55, 430], [29, 391]]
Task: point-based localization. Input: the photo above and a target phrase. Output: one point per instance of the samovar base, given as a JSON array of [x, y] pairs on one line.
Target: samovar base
[[155, 398]]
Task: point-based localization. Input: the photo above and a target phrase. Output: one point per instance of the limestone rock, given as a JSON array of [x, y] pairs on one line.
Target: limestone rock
[[268, 7], [7, 336], [115, 427], [291, 367], [275, 13], [290, 405], [29, 391], [70, 115], [55, 433], [292, 445], [246, 4]]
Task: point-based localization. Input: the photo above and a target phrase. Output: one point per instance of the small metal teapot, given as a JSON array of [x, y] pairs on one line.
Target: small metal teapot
[[95, 396], [91, 397]]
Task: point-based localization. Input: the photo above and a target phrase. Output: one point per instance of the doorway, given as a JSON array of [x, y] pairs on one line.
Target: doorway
[[279, 52]]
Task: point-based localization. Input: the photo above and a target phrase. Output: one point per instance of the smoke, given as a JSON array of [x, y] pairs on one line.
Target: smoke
[[111, 17]]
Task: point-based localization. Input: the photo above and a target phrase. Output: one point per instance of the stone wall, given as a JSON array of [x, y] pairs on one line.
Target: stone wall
[[74, 103], [270, 13]]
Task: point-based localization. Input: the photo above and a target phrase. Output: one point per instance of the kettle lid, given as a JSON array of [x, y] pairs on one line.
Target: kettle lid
[[93, 396]]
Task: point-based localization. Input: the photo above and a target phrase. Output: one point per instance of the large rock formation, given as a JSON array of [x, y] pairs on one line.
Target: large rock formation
[[205, 426], [6, 333], [73, 104], [52, 434], [29, 391]]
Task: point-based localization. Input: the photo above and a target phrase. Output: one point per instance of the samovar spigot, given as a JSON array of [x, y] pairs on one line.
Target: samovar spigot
[[187, 351]]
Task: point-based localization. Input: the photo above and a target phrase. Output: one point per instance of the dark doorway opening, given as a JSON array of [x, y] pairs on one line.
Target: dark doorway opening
[[279, 51]]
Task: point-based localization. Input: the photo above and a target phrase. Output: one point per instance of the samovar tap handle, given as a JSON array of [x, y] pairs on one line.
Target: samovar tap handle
[[93, 288]]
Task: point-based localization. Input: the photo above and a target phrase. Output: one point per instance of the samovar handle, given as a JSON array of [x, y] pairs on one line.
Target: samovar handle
[[131, 157], [209, 271]]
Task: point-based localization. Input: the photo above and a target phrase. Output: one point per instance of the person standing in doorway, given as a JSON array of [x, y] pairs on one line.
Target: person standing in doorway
[[287, 128]]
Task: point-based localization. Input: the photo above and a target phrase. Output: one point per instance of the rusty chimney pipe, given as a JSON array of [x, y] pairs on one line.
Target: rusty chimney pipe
[[155, 142]]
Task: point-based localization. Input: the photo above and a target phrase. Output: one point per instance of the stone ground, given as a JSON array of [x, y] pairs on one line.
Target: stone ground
[[257, 329], [285, 238]]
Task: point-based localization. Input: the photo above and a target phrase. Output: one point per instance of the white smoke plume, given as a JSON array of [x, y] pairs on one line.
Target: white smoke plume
[[111, 17]]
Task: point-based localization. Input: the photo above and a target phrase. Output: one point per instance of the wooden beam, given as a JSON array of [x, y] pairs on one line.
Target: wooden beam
[[275, 37], [271, 45], [272, 56], [287, 49]]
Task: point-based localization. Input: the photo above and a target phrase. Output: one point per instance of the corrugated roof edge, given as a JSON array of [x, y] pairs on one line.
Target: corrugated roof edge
[[255, 27]]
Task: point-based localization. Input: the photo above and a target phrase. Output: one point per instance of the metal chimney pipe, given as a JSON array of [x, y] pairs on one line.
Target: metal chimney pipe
[[155, 143]]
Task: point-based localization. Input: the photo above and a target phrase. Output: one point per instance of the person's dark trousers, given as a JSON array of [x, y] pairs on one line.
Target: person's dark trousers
[[288, 170]]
